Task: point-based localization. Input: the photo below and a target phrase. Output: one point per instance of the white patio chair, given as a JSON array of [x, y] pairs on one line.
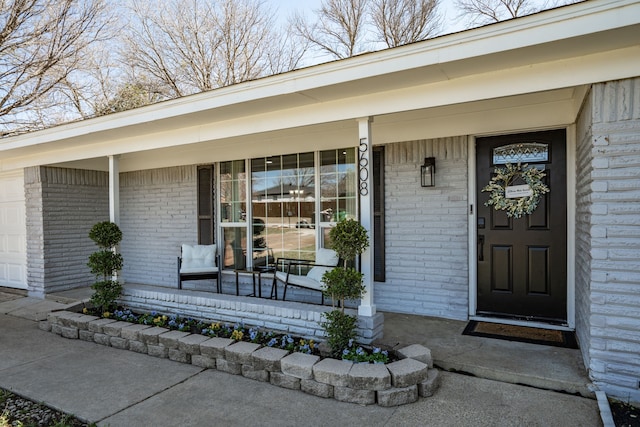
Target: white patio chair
[[199, 262], [326, 260]]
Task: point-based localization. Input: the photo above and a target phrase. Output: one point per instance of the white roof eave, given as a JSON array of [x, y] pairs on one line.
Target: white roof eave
[[578, 29]]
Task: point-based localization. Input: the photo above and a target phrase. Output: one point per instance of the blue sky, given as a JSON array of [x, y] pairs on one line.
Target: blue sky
[[447, 9], [286, 7]]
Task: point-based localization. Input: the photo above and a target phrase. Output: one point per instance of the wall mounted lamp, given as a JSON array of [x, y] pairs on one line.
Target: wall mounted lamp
[[428, 172]]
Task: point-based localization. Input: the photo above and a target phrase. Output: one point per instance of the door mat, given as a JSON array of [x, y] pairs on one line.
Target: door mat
[[526, 334]]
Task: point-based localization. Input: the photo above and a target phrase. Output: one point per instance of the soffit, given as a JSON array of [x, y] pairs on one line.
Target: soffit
[[571, 32]]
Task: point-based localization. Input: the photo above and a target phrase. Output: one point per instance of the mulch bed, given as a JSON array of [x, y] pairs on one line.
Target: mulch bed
[[625, 415], [18, 411]]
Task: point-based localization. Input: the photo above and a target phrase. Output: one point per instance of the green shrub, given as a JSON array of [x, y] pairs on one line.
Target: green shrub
[[340, 328], [105, 295], [106, 234], [343, 284], [104, 264], [349, 239]]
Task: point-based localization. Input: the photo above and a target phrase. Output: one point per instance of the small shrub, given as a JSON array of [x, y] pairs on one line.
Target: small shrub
[[104, 264], [349, 239], [105, 295], [340, 329], [343, 284], [106, 234]]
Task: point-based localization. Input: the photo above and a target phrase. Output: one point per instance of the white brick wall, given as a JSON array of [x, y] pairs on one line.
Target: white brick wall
[[61, 207], [276, 315], [426, 231], [158, 213], [584, 159], [614, 229]]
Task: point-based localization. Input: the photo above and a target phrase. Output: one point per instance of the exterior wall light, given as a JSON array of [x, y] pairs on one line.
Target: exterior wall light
[[428, 172]]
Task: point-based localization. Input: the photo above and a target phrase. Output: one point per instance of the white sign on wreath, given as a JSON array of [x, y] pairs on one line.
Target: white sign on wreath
[[516, 200]]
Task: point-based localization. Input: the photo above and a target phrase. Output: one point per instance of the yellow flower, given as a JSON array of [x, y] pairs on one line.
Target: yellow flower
[[164, 318], [311, 343], [85, 310], [236, 335], [106, 314], [215, 326]]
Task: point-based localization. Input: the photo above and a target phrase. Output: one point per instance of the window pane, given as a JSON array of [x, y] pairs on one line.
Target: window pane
[[233, 191], [283, 199], [338, 183], [235, 247]]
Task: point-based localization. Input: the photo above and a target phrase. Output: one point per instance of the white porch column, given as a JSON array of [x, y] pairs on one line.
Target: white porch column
[[114, 198], [365, 189], [114, 189]]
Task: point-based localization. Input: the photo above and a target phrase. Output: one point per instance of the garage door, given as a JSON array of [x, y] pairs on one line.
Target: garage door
[[13, 231]]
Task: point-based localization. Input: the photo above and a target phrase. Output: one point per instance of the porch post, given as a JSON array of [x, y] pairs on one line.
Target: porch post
[[365, 189], [114, 189], [114, 198]]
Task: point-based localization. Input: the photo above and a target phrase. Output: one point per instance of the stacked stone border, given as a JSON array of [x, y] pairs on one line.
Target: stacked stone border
[[392, 384]]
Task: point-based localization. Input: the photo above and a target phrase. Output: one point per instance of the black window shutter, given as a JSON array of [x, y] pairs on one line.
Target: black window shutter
[[206, 217], [378, 215]]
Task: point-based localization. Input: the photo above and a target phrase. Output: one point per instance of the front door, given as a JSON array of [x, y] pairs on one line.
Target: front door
[[522, 262]]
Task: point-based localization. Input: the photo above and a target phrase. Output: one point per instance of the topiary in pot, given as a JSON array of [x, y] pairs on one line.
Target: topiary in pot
[[104, 264], [349, 239]]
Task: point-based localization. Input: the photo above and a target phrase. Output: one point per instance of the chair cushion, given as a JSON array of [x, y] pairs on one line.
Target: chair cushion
[[316, 273], [327, 257], [323, 257], [196, 270], [198, 259], [302, 281]]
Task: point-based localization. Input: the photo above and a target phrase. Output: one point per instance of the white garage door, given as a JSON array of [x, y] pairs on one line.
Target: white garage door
[[13, 231]]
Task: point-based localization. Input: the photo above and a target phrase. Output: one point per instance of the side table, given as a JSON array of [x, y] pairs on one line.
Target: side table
[[255, 272]]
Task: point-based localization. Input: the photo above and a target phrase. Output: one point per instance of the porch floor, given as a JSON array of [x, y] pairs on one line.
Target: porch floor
[[539, 366]]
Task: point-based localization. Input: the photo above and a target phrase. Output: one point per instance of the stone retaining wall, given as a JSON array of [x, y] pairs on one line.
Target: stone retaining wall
[[391, 384]]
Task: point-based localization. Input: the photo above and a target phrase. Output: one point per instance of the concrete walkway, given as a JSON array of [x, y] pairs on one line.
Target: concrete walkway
[[121, 388]]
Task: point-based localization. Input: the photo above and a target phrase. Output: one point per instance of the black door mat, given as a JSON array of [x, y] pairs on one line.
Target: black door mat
[[526, 334]]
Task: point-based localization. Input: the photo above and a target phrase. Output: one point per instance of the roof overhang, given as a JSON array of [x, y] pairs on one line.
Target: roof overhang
[[536, 67]]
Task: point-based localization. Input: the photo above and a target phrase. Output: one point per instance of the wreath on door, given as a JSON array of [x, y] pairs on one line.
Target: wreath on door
[[516, 200]]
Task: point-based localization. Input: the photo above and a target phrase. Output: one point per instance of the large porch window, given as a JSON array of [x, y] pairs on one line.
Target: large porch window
[[289, 215]]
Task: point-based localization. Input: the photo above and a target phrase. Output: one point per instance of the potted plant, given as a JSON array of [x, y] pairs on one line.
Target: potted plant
[[104, 263], [348, 239]]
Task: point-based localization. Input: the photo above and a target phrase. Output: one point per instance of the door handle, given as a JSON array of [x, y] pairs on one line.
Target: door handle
[[481, 248]]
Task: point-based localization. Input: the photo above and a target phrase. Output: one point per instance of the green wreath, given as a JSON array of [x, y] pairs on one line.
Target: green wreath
[[518, 206]]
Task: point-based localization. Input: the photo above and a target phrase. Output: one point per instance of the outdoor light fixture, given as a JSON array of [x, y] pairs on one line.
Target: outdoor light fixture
[[428, 172]]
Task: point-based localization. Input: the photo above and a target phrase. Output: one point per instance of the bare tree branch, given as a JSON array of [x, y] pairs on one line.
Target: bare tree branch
[[339, 29], [191, 46], [42, 43], [480, 12], [399, 22]]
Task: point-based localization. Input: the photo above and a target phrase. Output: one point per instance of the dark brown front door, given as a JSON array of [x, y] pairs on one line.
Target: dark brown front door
[[522, 261]]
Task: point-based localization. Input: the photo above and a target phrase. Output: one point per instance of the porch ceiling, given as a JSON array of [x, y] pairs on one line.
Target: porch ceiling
[[532, 70], [530, 111]]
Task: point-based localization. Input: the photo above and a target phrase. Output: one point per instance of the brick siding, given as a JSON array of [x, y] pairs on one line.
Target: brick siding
[[614, 238], [61, 207], [426, 231], [158, 214], [584, 158]]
